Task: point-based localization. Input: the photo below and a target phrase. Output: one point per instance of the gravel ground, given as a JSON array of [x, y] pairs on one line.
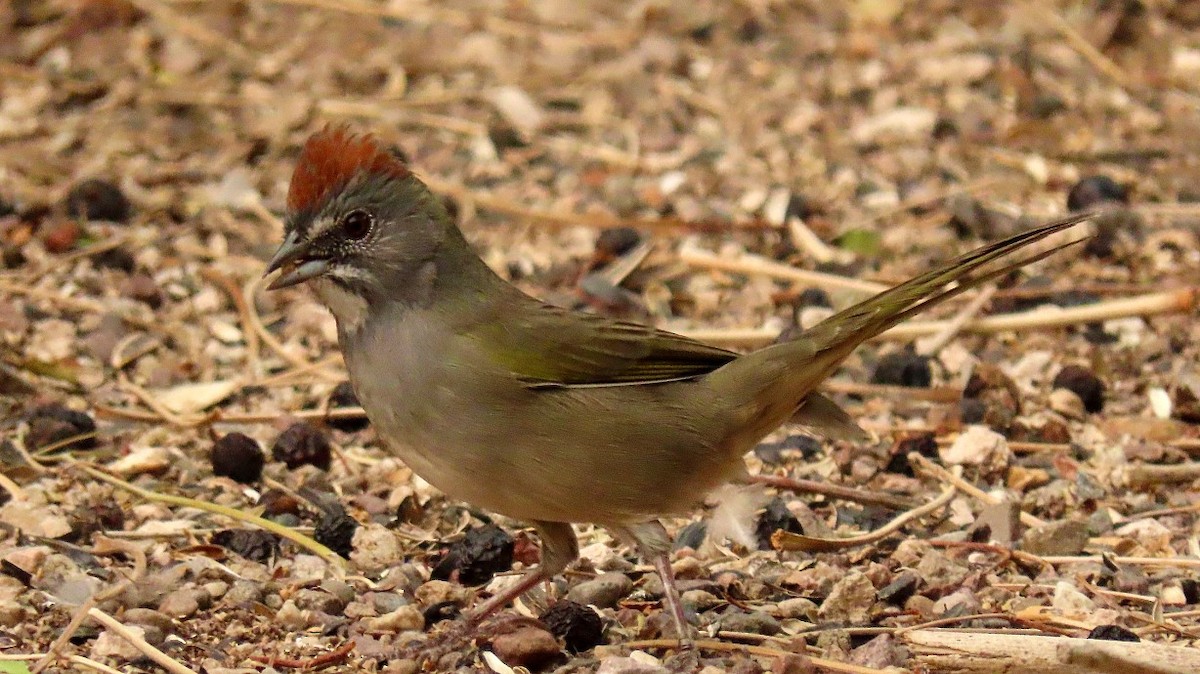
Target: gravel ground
[[670, 162]]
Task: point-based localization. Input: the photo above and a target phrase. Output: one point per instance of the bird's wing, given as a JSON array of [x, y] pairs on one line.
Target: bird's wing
[[551, 347]]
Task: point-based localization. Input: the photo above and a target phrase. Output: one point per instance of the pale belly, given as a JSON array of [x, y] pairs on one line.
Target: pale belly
[[582, 455]]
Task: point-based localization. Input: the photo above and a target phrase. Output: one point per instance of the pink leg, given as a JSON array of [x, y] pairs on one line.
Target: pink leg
[[654, 545], [559, 549]]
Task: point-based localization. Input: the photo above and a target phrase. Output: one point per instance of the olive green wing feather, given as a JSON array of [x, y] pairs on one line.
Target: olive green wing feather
[[547, 346]]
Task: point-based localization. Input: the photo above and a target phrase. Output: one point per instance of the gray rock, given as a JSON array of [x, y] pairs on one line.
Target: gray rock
[[603, 591], [1064, 537], [184, 602], [754, 622], [243, 592]]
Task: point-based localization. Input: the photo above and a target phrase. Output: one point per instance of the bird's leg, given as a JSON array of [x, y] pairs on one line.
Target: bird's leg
[[654, 545], [559, 549]]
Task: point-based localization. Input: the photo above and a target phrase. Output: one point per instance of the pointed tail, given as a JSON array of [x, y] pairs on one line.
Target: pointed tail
[[780, 376]]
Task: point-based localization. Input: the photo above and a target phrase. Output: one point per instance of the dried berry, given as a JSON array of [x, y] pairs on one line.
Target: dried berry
[[616, 241], [1093, 191], [775, 517], [53, 424], [814, 297], [903, 368], [143, 288], [442, 611], [997, 393], [114, 258], [238, 457], [579, 627], [96, 517], [480, 554], [343, 396], [924, 444], [1112, 633], [302, 443], [903, 586], [98, 200], [61, 236], [335, 529], [1083, 383], [253, 544], [276, 502]]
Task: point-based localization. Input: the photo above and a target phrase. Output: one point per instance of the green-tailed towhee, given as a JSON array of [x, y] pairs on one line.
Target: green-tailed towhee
[[540, 413]]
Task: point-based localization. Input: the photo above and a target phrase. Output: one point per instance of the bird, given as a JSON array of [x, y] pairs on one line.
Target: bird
[[543, 414]]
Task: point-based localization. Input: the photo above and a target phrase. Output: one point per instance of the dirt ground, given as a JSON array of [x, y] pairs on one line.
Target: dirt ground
[[666, 161]]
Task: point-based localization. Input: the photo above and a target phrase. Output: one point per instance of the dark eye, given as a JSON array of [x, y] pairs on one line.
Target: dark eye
[[357, 224]]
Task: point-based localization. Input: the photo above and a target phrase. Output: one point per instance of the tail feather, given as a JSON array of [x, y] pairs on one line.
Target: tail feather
[[776, 379], [872, 316]]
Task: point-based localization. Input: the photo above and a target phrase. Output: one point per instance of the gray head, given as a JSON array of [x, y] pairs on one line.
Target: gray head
[[360, 226]]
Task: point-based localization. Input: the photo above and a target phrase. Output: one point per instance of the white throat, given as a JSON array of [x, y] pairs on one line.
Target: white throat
[[349, 309]]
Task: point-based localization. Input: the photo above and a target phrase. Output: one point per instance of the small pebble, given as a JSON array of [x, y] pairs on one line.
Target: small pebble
[[440, 612], [243, 592], [1063, 537], [578, 626], [343, 396], [603, 591], [407, 618], [753, 622], [850, 600], [238, 457], [530, 647], [435, 592], [302, 443], [184, 602], [308, 599], [375, 547], [1084, 383], [901, 588]]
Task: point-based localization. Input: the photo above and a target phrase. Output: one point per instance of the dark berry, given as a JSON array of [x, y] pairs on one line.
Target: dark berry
[[52, 424], [903, 586], [924, 444], [335, 530], [95, 518], [1112, 633], [253, 544], [343, 396], [441, 612], [98, 200], [1084, 383], [776, 516], [276, 502], [616, 241], [480, 554], [814, 297], [579, 627], [238, 457], [903, 368], [1093, 191], [302, 443], [691, 536], [114, 258], [143, 288]]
